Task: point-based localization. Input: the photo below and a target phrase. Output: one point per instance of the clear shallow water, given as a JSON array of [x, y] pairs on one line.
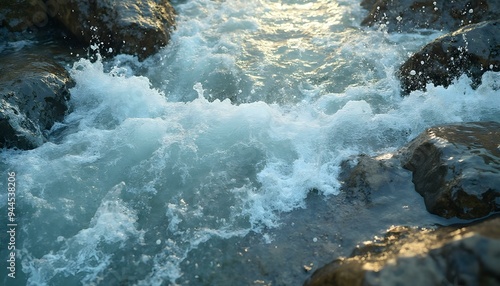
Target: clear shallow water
[[197, 164]]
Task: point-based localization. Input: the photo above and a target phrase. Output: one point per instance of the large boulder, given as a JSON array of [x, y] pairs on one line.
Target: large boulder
[[456, 168], [408, 15], [471, 50], [131, 27], [33, 96], [111, 26], [447, 256]]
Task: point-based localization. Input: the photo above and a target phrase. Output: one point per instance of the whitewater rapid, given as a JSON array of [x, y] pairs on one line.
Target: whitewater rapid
[[250, 107]]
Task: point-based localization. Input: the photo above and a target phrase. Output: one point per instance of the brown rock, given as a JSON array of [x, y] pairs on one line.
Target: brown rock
[[447, 256], [131, 27]]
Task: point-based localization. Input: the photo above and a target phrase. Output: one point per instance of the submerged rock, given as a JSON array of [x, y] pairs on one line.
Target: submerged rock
[[364, 177], [33, 95], [131, 27], [472, 50], [447, 256], [456, 168], [408, 15]]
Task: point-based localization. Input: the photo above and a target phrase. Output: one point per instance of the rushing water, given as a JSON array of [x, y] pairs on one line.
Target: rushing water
[[190, 167]]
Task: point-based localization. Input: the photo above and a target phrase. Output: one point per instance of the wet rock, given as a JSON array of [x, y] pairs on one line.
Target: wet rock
[[467, 255], [472, 50], [33, 95], [408, 15], [131, 27], [460, 159], [364, 178], [19, 15], [456, 168], [368, 4]]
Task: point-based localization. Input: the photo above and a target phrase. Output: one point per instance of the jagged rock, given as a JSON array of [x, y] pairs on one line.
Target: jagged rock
[[456, 168], [33, 95], [472, 50], [131, 27], [408, 15], [447, 256]]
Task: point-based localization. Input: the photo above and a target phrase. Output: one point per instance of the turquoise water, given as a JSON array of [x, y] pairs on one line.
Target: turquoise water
[[197, 166]]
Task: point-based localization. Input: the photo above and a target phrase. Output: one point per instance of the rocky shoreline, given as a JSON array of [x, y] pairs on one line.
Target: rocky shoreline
[[455, 168], [452, 255], [139, 28]]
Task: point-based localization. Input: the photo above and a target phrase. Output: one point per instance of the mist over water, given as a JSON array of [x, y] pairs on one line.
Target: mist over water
[[251, 106]]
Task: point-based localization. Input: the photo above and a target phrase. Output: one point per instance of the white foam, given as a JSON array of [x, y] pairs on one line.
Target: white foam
[[108, 98], [196, 167], [87, 254]]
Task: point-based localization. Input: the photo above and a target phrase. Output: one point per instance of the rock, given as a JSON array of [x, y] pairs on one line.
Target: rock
[[467, 255], [472, 50], [33, 94], [131, 27], [20, 15], [368, 4], [364, 178], [24, 24], [461, 159], [456, 168], [408, 15]]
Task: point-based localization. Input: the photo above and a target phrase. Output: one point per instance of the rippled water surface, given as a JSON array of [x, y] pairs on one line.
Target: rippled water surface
[[199, 165]]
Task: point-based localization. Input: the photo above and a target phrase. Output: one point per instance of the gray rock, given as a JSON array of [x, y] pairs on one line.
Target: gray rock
[[370, 177], [131, 27], [456, 168], [408, 15], [33, 96], [467, 255], [472, 50]]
